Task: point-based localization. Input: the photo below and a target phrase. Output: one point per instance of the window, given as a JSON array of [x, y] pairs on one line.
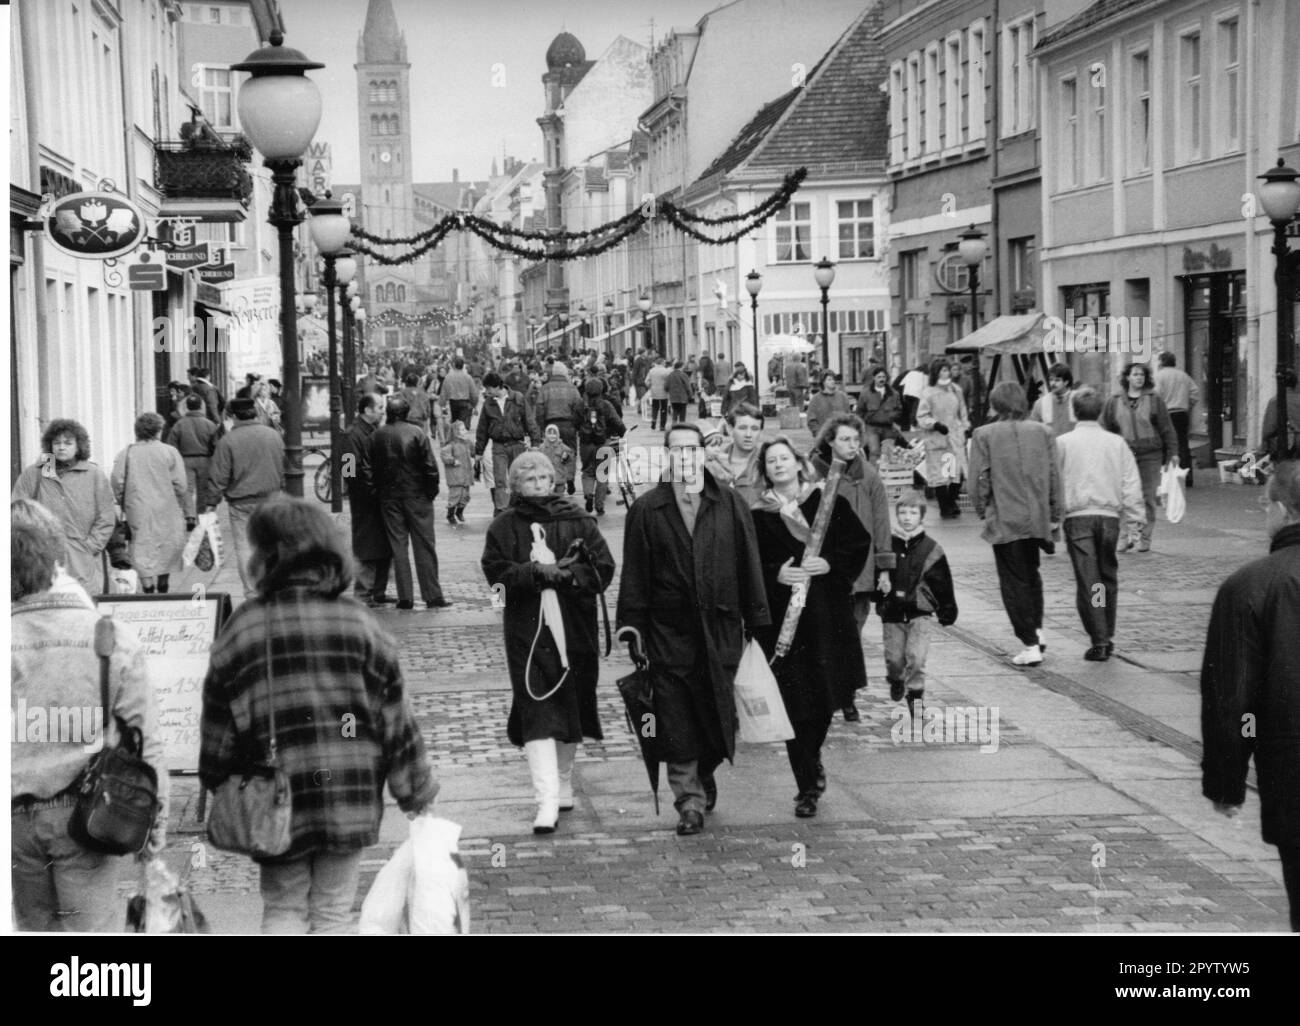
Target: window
[[1228, 119], [793, 233], [952, 105], [1189, 96], [1069, 132], [857, 229], [1139, 84], [975, 69], [394, 125], [214, 15], [216, 98], [914, 106], [1021, 255], [1098, 150], [932, 112], [897, 122], [1017, 77], [909, 273], [401, 293]]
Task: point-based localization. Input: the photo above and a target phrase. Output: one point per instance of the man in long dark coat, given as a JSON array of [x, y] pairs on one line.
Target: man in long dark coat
[[692, 586], [370, 546], [1250, 685]]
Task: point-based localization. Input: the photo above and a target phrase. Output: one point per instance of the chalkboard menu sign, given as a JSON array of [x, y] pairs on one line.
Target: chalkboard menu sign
[[176, 632]]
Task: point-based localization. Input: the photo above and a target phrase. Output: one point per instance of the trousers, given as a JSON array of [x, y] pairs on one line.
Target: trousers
[[1290, 854], [659, 414], [503, 454], [372, 577], [59, 886], [906, 648], [411, 520], [239, 512], [1092, 542], [1022, 586], [1149, 465], [1181, 420], [804, 751], [313, 894]]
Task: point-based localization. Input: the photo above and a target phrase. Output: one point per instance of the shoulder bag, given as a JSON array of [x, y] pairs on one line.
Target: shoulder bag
[[252, 811], [117, 800]]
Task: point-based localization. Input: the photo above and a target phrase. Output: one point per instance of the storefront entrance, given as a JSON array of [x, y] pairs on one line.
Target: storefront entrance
[[1214, 308]]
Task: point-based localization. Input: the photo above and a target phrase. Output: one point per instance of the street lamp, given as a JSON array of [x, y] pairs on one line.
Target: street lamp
[[1280, 197], [582, 319], [644, 304], [279, 110], [609, 318], [330, 229], [971, 247], [824, 273], [532, 334], [753, 283]]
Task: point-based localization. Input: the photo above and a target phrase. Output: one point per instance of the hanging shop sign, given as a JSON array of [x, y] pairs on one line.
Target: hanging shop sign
[[217, 273], [95, 225], [186, 257]]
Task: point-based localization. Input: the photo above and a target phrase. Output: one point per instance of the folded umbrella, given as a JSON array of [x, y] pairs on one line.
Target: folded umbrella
[[637, 689], [550, 617]]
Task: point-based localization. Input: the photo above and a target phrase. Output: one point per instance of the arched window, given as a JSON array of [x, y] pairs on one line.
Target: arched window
[[392, 293], [379, 295], [401, 293], [396, 125], [392, 92], [387, 198], [374, 92], [375, 123]]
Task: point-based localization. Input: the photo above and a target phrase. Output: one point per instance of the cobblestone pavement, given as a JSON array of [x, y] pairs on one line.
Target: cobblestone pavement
[[1073, 824]]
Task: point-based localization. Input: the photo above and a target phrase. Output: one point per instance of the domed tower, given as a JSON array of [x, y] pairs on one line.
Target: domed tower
[[566, 64], [384, 106]]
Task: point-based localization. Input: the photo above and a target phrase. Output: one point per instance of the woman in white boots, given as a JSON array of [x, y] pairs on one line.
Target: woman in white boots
[[551, 562]]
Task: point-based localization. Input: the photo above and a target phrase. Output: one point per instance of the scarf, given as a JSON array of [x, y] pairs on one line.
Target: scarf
[[546, 508], [791, 515], [909, 535]]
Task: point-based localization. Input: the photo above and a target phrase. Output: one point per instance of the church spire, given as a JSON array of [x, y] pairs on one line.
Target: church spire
[[381, 41]]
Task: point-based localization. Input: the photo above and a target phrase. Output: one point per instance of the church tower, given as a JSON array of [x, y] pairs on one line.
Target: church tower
[[387, 202]]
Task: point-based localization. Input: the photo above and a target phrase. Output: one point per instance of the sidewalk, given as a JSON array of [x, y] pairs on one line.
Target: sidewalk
[[1082, 811]]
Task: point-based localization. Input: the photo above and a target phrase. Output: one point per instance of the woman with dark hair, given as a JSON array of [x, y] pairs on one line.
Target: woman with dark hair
[[76, 491], [149, 484], [881, 409], [942, 413], [824, 665], [343, 723], [1016, 489], [553, 708], [860, 483], [740, 389], [1141, 418]]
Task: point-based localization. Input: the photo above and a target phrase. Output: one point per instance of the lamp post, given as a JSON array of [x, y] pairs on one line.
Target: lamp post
[[358, 341], [532, 335], [609, 318], [824, 273], [644, 305], [971, 247], [1280, 197], [329, 231], [753, 283], [279, 109], [350, 311]]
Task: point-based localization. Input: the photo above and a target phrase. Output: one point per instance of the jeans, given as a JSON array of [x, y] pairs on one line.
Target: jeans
[[906, 648], [239, 512], [503, 454], [1290, 855], [412, 519], [804, 751], [679, 412], [1092, 542], [1022, 586], [196, 483], [461, 410], [1149, 466], [596, 471], [313, 894], [659, 414], [1181, 419], [58, 885]]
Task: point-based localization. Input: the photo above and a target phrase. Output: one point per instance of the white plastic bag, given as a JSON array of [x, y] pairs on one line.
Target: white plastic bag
[[384, 910], [1171, 487], [203, 548], [123, 581], [759, 707], [439, 896]]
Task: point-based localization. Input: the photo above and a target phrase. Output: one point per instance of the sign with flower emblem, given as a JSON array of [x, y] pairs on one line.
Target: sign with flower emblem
[[95, 225]]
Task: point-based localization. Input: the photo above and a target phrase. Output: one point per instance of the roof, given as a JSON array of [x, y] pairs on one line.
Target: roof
[[381, 40], [595, 178], [1008, 335], [839, 115], [564, 50], [450, 195], [1088, 17]]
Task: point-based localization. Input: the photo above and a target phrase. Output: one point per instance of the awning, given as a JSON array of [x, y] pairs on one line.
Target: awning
[[1008, 335], [632, 326], [543, 340]]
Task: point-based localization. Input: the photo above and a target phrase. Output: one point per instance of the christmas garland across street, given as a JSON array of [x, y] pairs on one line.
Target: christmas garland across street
[[553, 245]]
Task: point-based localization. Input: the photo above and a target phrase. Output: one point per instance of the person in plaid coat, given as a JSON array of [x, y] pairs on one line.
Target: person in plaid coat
[[343, 722]]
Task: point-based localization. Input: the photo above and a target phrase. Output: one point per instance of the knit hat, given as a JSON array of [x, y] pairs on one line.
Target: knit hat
[[242, 409], [594, 387], [559, 368]]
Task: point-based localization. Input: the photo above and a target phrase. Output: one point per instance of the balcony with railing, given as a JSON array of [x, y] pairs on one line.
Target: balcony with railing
[[204, 177]]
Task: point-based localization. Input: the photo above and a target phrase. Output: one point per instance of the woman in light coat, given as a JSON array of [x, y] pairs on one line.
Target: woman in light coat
[[149, 484], [76, 491], [942, 414]]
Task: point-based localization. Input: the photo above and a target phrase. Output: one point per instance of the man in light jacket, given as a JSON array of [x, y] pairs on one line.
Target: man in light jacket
[[1100, 480], [1054, 408], [1017, 493], [1180, 393]]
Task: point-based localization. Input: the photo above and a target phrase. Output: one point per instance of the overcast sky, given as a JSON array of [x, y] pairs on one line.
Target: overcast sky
[[461, 119]]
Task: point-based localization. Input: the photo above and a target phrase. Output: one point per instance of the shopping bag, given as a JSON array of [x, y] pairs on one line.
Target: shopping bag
[[165, 905], [439, 895], [384, 910], [208, 555], [1175, 498], [759, 707], [123, 581]]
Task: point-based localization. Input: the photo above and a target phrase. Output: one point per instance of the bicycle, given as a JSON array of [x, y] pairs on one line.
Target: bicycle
[[321, 479]]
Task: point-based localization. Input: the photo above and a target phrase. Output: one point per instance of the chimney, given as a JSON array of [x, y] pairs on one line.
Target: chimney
[[455, 174]]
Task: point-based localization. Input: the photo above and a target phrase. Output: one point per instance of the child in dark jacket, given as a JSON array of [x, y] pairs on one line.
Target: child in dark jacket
[[458, 472], [921, 588]]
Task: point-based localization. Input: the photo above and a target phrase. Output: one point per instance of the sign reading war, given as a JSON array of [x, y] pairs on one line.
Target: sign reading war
[[95, 225]]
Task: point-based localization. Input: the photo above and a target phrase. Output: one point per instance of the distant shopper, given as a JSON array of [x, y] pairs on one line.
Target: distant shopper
[[656, 381], [1140, 417], [942, 414], [149, 483], [1100, 483], [1180, 394], [1053, 408], [1268, 433], [1250, 678], [827, 403], [195, 437], [881, 409]]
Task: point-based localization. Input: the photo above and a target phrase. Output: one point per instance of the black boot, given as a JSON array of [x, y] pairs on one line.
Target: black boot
[[460, 513], [451, 515], [164, 583], [591, 504]]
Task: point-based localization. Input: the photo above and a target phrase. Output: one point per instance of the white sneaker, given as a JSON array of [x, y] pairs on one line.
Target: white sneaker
[[1031, 656]]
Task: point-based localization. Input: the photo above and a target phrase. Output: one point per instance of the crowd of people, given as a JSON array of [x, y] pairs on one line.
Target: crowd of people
[[721, 549]]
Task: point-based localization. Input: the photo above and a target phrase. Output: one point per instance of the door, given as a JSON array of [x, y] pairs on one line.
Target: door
[[1215, 315]]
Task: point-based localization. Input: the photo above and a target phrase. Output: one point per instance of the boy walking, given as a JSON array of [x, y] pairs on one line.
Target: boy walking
[[921, 589], [457, 462]]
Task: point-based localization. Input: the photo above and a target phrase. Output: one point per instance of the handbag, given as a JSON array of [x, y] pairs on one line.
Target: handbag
[[118, 547], [117, 799], [252, 811]]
